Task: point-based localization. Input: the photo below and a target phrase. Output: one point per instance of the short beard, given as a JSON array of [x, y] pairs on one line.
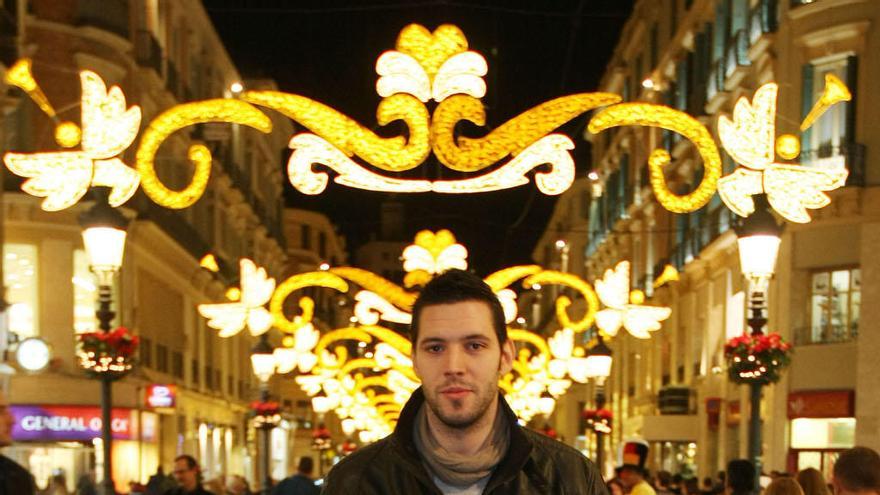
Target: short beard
[[462, 423]]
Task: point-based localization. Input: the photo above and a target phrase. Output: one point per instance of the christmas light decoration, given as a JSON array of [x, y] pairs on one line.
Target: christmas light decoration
[[749, 139], [209, 262], [434, 253], [256, 290], [625, 309], [670, 274], [835, 91], [20, 75], [652, 115], [563, 302]]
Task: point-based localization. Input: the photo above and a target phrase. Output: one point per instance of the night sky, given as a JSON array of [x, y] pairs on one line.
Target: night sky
[[327, 50]]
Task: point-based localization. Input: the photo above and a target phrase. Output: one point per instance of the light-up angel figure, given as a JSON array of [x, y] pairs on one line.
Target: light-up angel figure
[[256, 290], [624, 308], [108, 129], [749, 138]]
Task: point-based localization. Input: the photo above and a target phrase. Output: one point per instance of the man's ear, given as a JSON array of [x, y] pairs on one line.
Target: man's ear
[[508, 351]]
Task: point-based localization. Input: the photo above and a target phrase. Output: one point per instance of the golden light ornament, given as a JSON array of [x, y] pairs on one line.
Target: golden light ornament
[[653, 115], [295, 283], [231, 318], [233, 294], [835, 91], [434, 253], [563, 302], [179, 117], [669, 274], [788, 146], [209, 262], [749, 139], [21, 76], [624, 308], [108, 128], [68, 134]]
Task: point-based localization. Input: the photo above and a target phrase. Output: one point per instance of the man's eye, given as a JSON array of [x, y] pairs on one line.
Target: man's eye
[[435, 348], [475, 346]]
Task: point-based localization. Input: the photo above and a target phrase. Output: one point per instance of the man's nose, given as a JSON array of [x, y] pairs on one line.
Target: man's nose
[[454, 361]]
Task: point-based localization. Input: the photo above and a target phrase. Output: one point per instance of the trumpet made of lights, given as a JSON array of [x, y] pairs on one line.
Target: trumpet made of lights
[[363, 372]]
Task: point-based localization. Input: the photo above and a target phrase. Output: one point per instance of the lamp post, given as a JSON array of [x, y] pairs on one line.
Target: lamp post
[[104, 231], [758, 239], [599, 367], [263, 363]]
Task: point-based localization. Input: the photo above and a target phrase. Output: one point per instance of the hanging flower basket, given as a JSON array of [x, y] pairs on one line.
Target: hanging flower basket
[[321, 438], [757, 358], [107, 354], [598, 419], [266, 414]]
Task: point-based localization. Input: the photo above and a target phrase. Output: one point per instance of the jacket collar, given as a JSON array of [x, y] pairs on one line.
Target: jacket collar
[[518, 452]]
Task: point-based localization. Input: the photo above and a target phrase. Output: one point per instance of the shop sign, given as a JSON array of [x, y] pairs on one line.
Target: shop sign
[[161, 396], [821, 404], [67, 423]]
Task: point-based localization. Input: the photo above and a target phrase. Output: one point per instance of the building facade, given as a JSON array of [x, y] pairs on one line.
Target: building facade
[[700, 56], [160, 53]]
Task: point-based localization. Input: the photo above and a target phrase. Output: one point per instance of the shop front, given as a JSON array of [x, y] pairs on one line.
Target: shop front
[[66, 439], [822, 426]]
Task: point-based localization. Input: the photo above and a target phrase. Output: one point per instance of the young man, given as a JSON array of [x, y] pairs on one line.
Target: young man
[[14, 479], [857, 472], [188, 475], [301, 483], [632, 470], [456, 434]]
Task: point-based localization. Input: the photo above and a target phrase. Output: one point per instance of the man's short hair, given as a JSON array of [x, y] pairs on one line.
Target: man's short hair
[[306, 465], [191, 461], [741, 475], [858, 469], [456, 286]]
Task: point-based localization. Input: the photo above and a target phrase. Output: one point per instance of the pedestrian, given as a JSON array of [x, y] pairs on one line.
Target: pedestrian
[[86, 484], [615, 487], [784, 485], [707, 488], [159, 483], [189, 477], [812, 482], [236, 484], [632, 472], [300, 483], [456, 433], [14, 479], [57, 484], [740, 477], [857, 472], [664, 479]]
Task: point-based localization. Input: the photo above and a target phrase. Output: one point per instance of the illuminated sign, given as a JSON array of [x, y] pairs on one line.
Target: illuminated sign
[[161, 396], [68, 423]]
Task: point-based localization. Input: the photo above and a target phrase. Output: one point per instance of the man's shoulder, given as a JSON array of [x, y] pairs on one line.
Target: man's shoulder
[[555, 450], [352, 466]]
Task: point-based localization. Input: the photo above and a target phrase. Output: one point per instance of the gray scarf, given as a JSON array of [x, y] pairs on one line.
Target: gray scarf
[[456, 469]]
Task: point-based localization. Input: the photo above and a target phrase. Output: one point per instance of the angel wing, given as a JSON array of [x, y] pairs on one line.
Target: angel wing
[[454, 256], [639, 320], [609, 321], [61, 177], [737, 189], [108, 128], [115, 174], [401, 73], [562, 343], [229, 318], [461, 74], [791, 189], [417, 258], [259, 321], [749, 137], [256, 286], [613, 288]]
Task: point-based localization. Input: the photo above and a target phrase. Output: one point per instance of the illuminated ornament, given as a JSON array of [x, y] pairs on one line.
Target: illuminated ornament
[[298, 355], [108, 128], [788, 146], [624, 309], [371, 307], [835, 91], [670, 274], [652, 115], [21, 76], [256, 290], [432, 254], [748, 138], [233, 294], [566, 360], [209, 262]]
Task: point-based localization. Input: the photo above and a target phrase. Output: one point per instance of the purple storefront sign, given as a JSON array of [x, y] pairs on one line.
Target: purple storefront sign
[[67, 423]]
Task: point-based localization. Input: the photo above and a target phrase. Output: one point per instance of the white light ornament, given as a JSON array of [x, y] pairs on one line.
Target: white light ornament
[[108, 128], [749, 138], [567, 360], [256, 290], [300, 356], [624, 309], [371, 307]]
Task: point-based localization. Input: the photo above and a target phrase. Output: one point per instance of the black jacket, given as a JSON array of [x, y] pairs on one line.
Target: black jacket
[[14, 479], [534, 464]]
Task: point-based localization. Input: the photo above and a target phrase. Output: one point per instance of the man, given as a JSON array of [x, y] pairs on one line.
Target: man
[[159, 484], [14, 479], [632, 469], [301, 483], [188, 475], [857, 472], [456, 434], [740, 477]]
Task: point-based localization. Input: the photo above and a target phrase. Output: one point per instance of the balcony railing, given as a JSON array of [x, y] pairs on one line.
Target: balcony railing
[[737, 53], [850, 155], [832, 334], [109, 15], [762, 20], [148, 52], [674, 400], [715, 82]]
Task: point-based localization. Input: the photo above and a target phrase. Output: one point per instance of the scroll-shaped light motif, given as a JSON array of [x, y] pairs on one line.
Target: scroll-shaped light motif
[[256, 290], [749, 138], [623, 309], [432, 254], [108, 128]]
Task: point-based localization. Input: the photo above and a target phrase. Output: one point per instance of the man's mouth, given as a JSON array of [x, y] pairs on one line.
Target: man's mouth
[[455, 392]]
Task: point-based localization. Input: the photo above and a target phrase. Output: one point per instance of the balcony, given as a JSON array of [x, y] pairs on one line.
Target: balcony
[[849, 155], [831, 334], [762, 21], [715, 82], [109, 15], [147, 51], [736, 57], [674, 400]]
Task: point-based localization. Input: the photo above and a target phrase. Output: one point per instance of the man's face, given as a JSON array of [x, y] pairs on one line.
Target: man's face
[[6, 422], [459, 361], [629, 477], [187, 477]]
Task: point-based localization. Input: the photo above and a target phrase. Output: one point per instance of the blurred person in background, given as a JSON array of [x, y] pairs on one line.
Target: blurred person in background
[[740, 477], [857, 472], [783, 485], [812, 482]]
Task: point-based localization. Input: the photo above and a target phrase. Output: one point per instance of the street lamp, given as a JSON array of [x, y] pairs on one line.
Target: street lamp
[[263, 363], [758, 238], [104, 232], [598, 365]]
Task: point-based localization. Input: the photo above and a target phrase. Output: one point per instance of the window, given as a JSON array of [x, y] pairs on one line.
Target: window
[[196, 373], [161, 358], [146, 352], [825, 142], [20, 278], [177, 364], [305, 236], [322, 244], [835, 297]]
